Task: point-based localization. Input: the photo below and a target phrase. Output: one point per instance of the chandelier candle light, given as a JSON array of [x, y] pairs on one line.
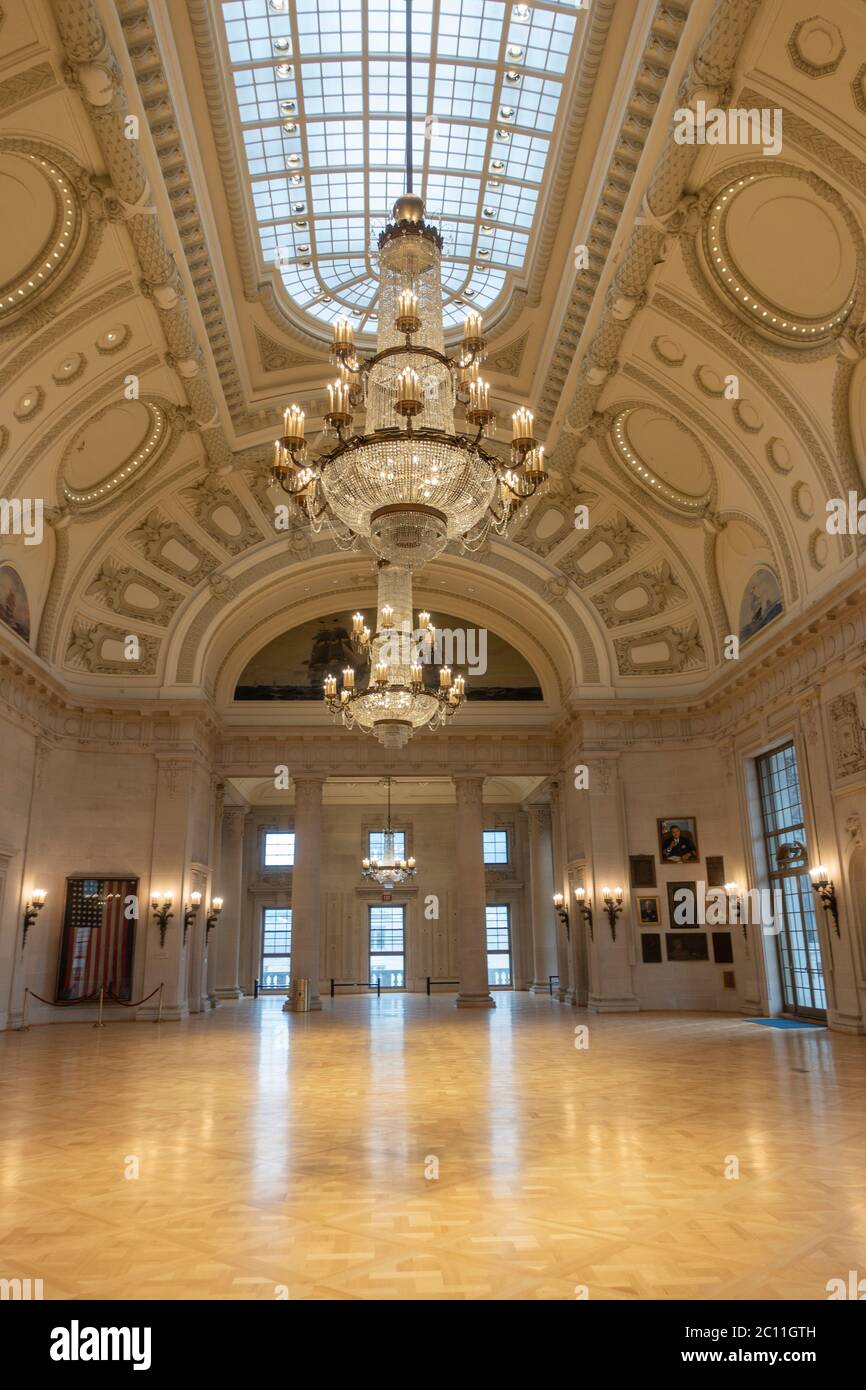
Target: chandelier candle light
[[410, 483], [395, 702], [389, 870]]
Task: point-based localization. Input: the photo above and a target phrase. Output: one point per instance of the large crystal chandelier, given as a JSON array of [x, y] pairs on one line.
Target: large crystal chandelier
[[409, 482], [389, 870], [395, 701]]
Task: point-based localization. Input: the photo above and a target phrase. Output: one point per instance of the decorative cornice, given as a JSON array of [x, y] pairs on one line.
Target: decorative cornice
[[95, 74], [667, 207], [660, 50], [563, 157], [207, 49]]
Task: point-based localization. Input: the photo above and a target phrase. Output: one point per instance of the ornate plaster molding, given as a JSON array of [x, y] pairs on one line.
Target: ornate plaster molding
[[667, 210], [661, 48]]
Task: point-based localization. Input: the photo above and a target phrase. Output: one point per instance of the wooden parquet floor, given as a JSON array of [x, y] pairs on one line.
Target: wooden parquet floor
[[293, 1156]]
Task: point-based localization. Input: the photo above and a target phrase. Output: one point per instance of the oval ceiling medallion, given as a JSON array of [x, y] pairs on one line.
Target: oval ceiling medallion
[[69, 369], [114, 338], [783, 254], [802, 501], [748, 417], [110, 450], [779, 455], [819, 549], [664, 457], [29, 403], [669, 350], [709, 380], [41, 226]]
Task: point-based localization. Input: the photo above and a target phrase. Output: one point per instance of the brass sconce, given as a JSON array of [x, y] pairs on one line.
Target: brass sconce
[[612, 906], [585, 907], [32, 911], [826, 890], [562, 914], [190, 913], [212, 918], [161, 905]]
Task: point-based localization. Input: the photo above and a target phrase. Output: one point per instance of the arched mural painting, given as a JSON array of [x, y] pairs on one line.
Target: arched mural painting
[[761, 603], [14, 608]]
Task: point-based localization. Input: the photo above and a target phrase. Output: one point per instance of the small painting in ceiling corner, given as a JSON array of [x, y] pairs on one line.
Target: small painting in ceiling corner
[[14, 608], [762, 602]]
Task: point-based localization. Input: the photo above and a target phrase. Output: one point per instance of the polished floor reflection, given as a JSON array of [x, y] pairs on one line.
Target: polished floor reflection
[[403, 1149]]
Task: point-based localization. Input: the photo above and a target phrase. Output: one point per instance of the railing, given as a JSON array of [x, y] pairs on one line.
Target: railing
[[356, 984], [431, 981], [550, 980]]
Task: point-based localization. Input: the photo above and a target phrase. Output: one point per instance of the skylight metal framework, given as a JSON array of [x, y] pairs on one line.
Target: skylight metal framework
[[320, 87]]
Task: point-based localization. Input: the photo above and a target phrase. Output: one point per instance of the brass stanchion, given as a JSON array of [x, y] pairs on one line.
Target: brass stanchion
[[24, 1026], [99, 1023], [159, 1010]]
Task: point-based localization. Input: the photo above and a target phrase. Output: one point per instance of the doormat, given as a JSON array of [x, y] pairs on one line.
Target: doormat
[[785, 1023]]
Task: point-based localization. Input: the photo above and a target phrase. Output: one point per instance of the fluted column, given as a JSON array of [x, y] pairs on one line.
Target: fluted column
[[228, 933], [471, 917], [543, 918], [306, 887]]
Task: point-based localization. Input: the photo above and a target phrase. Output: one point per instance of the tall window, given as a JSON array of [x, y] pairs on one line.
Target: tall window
[[387, 946], [279, 849], [785, 840], [496, 846], [276, 947], [498, 944], [376, 845]]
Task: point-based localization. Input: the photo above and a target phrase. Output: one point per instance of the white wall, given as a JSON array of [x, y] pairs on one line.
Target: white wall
[[430, 943]]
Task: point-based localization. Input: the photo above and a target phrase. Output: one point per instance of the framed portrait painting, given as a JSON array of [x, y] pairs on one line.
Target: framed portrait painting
[[648, 913], [678, 840]]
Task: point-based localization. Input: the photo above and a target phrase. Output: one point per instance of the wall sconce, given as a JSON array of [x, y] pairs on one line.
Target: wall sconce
[[562, 914], [826, 890], [190, 913], [585, 907], [32, 911], [212, 918], [612, 906], [735, 913], [161, 905]]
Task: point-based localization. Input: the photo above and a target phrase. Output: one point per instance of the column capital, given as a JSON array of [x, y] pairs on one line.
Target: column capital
[[308, 789], [539, 815], [469, 787], [234, 818]]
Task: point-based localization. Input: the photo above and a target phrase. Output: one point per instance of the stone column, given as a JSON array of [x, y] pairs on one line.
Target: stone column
[[565, 993], [211, 939], [543, 917], [611, 979], [166, 958], [306, 884], [471, 917], [228, 930]]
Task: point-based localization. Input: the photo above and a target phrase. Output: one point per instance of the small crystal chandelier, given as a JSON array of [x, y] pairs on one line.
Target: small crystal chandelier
[[410, 483], [389, 870], [395, 702]]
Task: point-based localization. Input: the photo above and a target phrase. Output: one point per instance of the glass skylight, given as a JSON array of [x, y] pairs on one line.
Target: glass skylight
[[320, 87]]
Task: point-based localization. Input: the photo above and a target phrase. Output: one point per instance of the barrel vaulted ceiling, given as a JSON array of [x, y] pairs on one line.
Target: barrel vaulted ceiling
[[139, 252]]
